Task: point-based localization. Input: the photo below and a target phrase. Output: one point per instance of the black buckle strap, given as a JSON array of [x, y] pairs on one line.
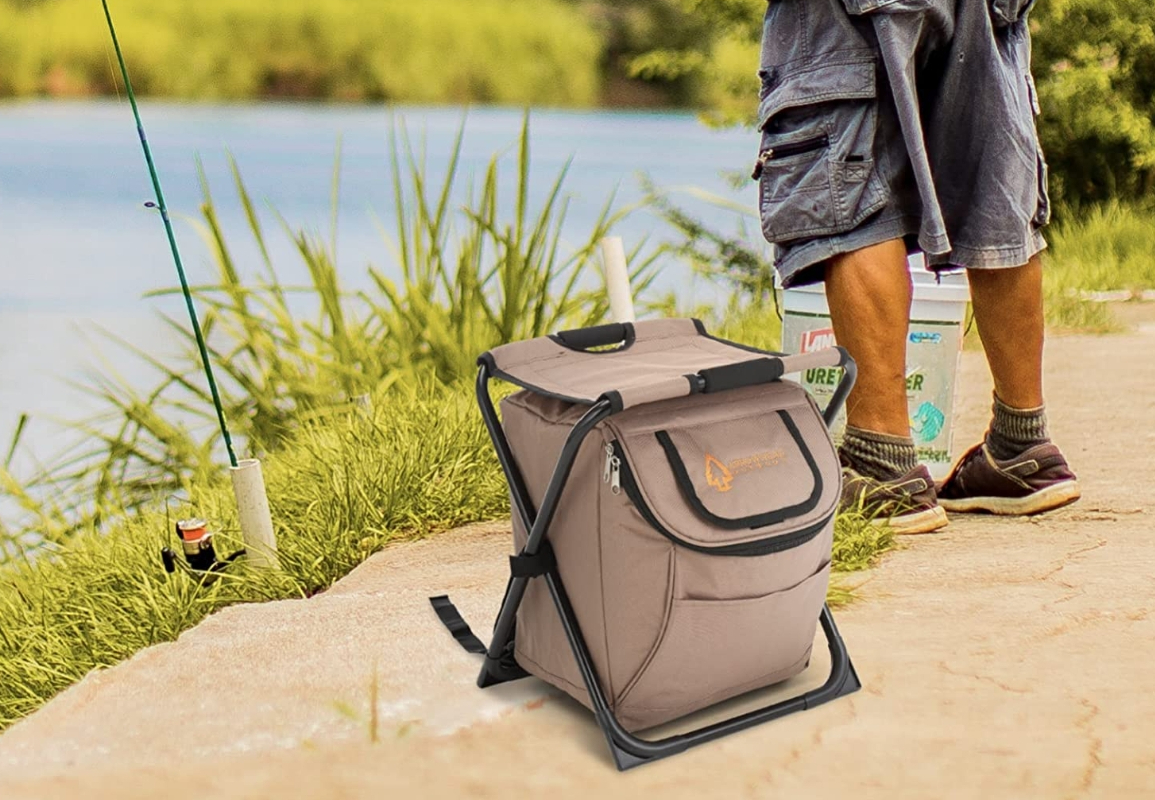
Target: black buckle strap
[[526, 566], [457, 626]]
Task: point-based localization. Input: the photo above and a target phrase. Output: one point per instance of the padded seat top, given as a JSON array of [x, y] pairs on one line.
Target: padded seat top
[[641, 362]]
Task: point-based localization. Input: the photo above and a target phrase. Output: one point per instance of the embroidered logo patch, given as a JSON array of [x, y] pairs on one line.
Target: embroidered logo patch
[[721, 476], [718, 474]]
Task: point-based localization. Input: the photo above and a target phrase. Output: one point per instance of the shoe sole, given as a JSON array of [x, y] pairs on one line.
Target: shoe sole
[[920, 522], [1048, 499]]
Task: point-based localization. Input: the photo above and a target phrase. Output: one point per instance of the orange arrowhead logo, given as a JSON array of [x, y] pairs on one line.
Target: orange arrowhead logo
[[718, 474]]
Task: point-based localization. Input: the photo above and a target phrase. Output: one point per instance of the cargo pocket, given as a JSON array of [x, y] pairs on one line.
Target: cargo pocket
[[712, 650], [1008, 12], [815, 168]]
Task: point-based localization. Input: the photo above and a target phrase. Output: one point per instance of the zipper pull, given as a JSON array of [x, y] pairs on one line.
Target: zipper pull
[[616, 475], [609, 463], [760, 164]]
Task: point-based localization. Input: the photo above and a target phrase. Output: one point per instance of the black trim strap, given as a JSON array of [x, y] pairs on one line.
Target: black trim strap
[[460, 629], [526, 566], [755, 520]]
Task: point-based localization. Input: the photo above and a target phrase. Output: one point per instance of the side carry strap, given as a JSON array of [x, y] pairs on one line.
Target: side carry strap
[[457, 626], [521, 566]]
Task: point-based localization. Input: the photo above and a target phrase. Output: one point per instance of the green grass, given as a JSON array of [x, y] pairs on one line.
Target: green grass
[[858, 544], [490, 51], [342, 489], [1109, 248], [1106, 248]]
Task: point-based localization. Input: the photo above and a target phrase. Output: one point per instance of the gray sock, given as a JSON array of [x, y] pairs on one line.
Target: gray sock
[[1013, 431], [878, 455]]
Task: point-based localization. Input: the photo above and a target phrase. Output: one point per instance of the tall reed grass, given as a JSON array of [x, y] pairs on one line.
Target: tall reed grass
[[1095, 251], [346, 479], [468, 279]]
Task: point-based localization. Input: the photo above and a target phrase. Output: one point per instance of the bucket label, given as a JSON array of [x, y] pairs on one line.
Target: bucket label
[[924, 337], [818, 339], [932, 354]]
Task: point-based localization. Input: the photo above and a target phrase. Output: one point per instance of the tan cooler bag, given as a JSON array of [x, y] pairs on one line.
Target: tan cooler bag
[[673, 511], [693, 539]]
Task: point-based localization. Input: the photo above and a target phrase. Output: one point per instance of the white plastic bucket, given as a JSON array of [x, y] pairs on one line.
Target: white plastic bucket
[[934, 344]]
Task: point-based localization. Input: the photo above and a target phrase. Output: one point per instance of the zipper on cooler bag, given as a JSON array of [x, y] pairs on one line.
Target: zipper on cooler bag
[[618, 475], [786, 150], [613, 471]]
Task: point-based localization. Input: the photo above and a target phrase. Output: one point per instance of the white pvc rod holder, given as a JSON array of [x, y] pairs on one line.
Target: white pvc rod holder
[[617, 275], [253, 510]]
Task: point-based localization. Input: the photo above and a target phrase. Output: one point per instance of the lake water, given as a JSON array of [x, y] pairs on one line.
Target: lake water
[[78, 249]]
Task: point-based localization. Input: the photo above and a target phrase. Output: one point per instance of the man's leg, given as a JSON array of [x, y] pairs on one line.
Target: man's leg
[[1016, 469], [1008, 307], [869, 292]]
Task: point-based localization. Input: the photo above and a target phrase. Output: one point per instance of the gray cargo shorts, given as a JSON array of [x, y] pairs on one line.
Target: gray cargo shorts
[[888, 119]]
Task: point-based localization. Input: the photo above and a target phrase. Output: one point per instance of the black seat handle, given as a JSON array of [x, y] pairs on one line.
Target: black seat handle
[[767, 369], [584, 339]]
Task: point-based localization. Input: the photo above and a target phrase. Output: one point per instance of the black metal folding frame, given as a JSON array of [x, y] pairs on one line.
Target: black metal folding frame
[[499, 665]]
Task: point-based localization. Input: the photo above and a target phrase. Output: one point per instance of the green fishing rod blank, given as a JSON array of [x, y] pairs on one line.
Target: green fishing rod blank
[[160, 205]]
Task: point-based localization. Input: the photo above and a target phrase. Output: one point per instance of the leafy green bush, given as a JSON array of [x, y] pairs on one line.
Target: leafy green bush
[[494, 51], [1095, 63]]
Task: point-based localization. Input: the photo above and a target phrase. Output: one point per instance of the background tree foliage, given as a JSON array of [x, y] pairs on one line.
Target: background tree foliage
[[1094, 63], [1095, 66]]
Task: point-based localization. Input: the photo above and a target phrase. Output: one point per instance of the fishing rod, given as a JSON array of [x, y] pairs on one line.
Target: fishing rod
[[163, 208], [248, 482]]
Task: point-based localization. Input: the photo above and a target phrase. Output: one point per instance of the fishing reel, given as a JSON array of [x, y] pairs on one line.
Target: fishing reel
[[200, 555]]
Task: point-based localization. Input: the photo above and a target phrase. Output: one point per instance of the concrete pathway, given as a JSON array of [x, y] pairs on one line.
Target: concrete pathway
[[1001, 659]]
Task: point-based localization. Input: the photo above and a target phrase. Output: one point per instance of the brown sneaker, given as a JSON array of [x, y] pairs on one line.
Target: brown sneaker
[[1036, 481], [908, 504]]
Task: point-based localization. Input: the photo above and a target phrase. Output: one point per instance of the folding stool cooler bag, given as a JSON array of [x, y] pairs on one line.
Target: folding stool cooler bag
[[674, 502]]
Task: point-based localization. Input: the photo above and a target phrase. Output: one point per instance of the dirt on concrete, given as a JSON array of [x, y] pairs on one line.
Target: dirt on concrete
[[1002, 658]]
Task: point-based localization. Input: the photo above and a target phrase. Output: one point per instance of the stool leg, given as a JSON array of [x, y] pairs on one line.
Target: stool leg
[[499, 665]]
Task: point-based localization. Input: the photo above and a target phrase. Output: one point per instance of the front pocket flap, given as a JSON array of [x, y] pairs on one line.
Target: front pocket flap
[[787, 483], [752, 466], [848, 80]]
